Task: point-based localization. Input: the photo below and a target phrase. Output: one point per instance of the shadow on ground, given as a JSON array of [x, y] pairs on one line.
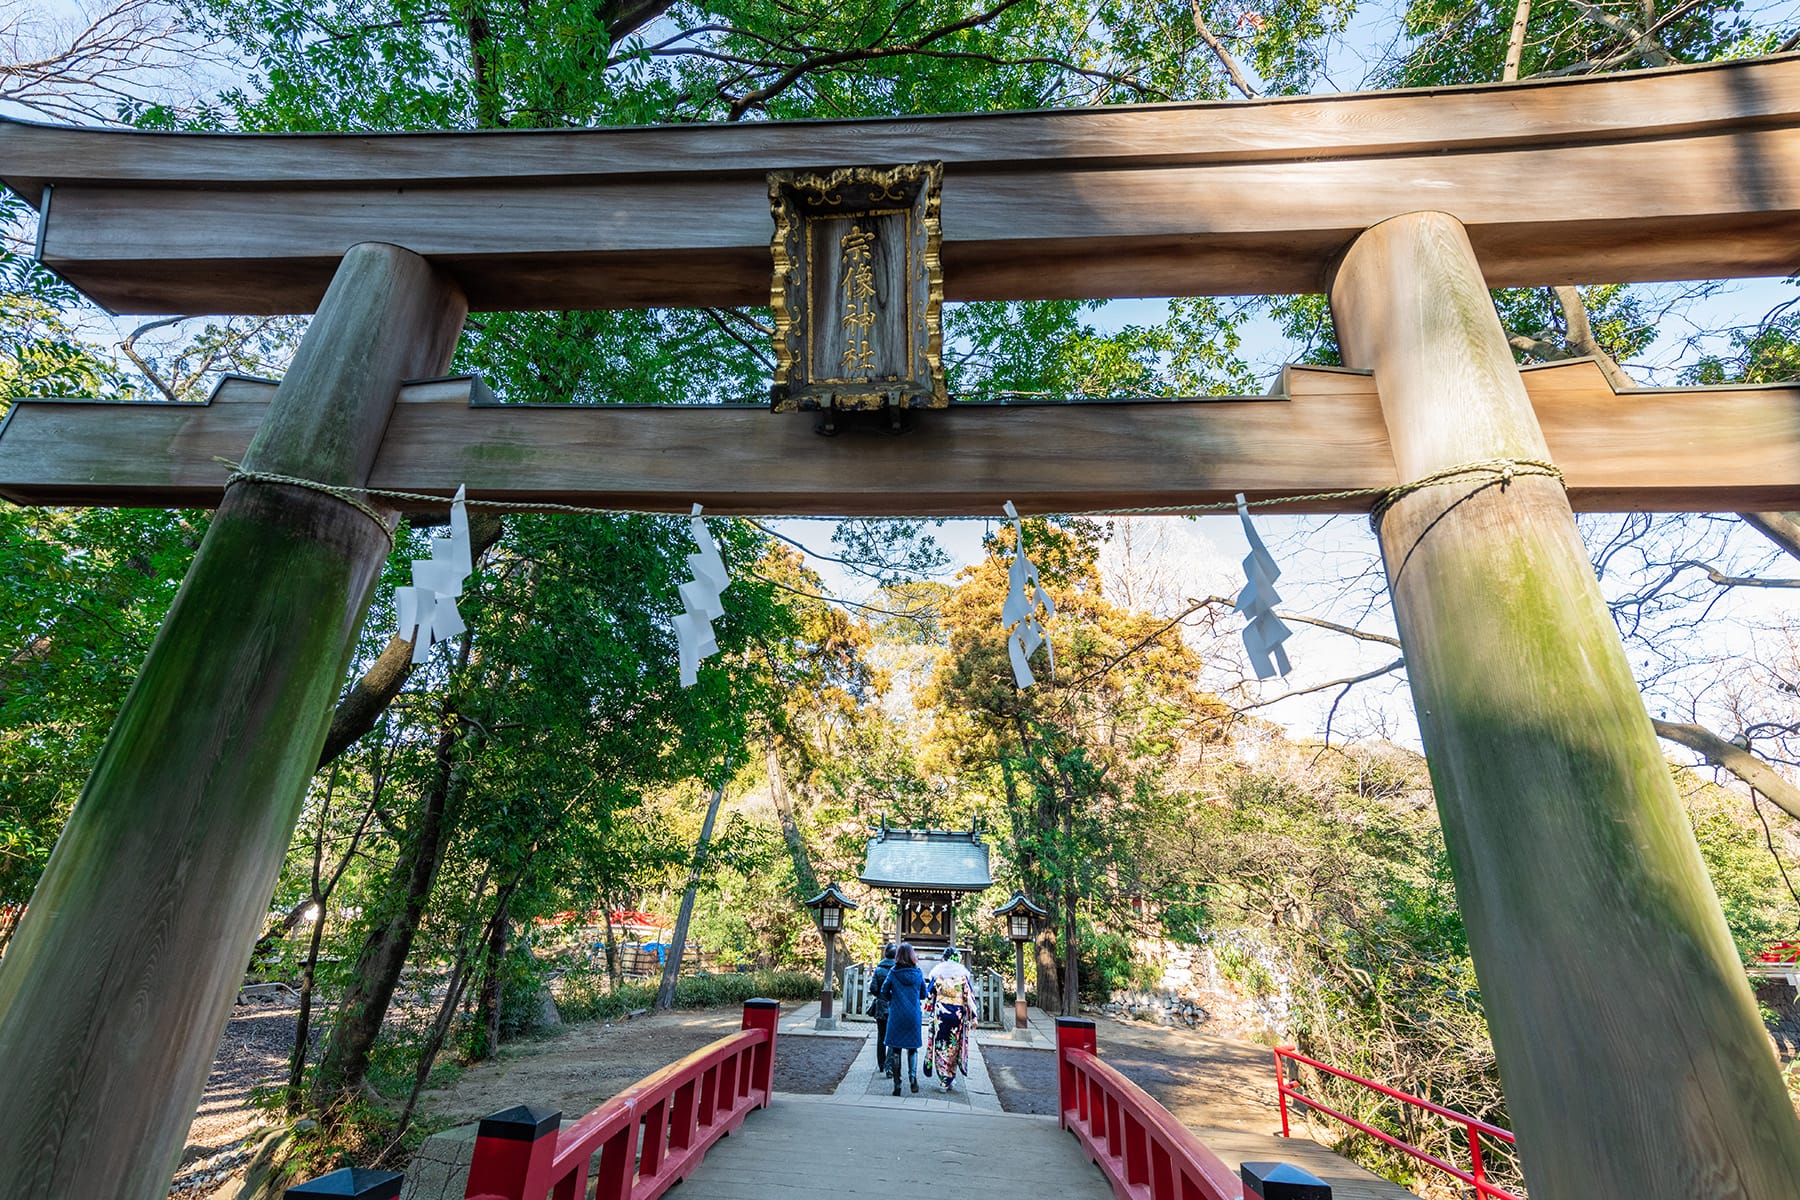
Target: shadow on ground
[[1206, 1082]]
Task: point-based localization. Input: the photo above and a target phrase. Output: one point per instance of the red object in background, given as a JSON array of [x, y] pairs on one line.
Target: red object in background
[[1781, 952], [1475, 1176], [620, 916]]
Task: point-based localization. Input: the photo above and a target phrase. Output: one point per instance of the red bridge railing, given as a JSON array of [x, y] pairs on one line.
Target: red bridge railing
[[1475, 1176], [1142, 1150], [647, 1138]]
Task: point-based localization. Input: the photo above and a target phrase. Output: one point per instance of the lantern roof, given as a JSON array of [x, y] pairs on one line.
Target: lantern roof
[[928, 859], [1020, 901], [836, 894]]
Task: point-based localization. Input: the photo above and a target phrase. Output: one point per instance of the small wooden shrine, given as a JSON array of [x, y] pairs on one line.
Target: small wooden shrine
[[927, 870]]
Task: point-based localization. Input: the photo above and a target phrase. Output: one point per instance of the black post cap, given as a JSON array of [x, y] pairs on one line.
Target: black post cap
[[1282, 1181], [759, 1002], [520, 1123], [1074, 1022], [361, 1183]]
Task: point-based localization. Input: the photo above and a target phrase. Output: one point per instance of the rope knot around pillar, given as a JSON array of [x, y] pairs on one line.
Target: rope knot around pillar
[[1489, 472], [350, 496]]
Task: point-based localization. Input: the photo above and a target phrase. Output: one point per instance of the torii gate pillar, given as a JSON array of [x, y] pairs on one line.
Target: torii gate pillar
[[122, 974], [1575, 867]]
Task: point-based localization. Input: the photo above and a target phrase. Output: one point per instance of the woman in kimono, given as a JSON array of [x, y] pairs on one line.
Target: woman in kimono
[[953, 994]]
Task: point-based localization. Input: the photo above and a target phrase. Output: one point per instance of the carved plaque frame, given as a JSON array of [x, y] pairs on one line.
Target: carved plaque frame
[[858, 288]]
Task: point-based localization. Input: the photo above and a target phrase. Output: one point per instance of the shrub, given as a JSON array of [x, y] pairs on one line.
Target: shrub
[[584, 995]]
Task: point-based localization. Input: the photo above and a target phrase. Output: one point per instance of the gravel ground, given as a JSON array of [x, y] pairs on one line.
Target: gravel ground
[[814, 1066], [575, 1071], [579, 1068], [1025, 1080], [253, 1052]]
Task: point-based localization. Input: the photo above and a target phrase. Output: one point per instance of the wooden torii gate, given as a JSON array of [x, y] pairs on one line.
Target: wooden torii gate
[[1575, 868]]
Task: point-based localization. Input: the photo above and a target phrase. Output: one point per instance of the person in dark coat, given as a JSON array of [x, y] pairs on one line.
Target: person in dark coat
[[878, 1006], [904, 991]]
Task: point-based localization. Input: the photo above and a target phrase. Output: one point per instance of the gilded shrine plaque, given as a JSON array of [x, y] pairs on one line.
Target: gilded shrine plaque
[[858, 291]]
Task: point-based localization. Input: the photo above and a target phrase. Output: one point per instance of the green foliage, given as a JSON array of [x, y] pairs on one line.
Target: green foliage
[[1108, 962], [585, 996], [42, 350], [82, 594], [1744, 873], [1457, 42], [1768, 353], [1616, 316], [1046, 349]]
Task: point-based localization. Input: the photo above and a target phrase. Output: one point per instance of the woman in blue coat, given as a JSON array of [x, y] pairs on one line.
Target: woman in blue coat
[[904, 992]]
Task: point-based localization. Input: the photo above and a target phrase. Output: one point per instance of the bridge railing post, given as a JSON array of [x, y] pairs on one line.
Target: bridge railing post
[[1072, 1033], [514, 1151], [356, 1183], [763, 1014]]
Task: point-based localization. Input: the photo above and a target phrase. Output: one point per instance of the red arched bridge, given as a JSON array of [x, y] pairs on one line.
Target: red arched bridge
[[667, 1129]]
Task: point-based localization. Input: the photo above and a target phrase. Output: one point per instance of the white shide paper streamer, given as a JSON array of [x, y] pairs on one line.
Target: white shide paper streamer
[[1265, 632], [428, 608], [1019, 615], [700, 602]]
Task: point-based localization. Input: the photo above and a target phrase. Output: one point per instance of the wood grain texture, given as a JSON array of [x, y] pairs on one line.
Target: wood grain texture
[[1187, 199], [1671, 450], [118, 983], [1575, 866]]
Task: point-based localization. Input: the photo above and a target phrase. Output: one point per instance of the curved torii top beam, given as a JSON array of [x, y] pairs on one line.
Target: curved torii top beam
[[1689, 172]]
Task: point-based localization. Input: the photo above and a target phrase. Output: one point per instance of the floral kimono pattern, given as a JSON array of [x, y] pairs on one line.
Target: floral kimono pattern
[[951, 1025], [947, 1042]]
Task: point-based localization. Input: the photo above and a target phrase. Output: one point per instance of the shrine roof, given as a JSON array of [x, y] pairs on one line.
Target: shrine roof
[[928, 858]]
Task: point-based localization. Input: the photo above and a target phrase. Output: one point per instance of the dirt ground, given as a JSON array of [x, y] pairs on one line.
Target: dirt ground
[[252, 1053], [1207, 1082], [590, 1063], [574, 1071]]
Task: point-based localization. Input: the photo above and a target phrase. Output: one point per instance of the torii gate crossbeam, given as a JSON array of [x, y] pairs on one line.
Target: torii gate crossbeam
[[1685, 173]]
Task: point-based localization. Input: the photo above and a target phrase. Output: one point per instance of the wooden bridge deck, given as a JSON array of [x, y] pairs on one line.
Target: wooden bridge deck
[[822, 1148], [863, 1142]]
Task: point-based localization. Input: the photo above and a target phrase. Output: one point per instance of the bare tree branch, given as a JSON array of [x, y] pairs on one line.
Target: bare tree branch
[[1515, 42], [1734, 758], [833, 58], [1377, 673], [1224, 55], [1731, 581], [84, 70]]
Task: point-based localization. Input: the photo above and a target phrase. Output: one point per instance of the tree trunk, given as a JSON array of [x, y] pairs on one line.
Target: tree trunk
[[1734, 758], [1515, 41], [487, 1009], [446, 1013], [303, 1020], [665, 994], [1629, 1045], [804, 881], [362, 705], [1782, 528], [615, 973], [118, 984], [377, 973], [1071, 865], [267, 942], [1048, 970]]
